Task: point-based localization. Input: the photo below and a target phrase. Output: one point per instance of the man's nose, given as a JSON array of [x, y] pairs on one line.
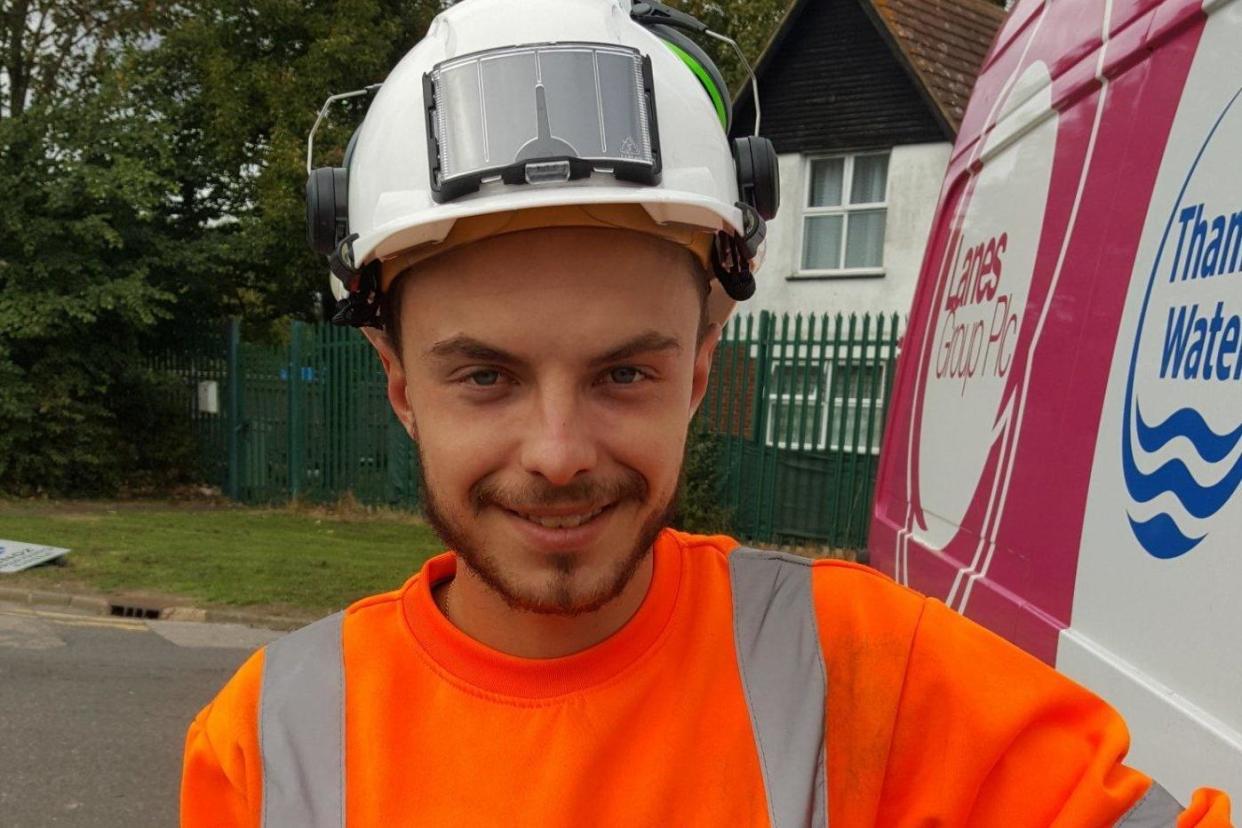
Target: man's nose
[[560, 442]]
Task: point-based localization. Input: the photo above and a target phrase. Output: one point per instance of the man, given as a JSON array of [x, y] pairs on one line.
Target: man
[[548, 320]]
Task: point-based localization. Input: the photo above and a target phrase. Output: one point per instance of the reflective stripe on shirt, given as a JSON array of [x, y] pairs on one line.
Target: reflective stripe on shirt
[[782, 666], [1156, 809], [301, 728]]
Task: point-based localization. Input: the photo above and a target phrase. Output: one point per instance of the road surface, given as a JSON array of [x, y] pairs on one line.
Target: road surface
[[93, 713]]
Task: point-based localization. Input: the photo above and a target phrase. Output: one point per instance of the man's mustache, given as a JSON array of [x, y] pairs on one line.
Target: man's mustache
[[487, 492]]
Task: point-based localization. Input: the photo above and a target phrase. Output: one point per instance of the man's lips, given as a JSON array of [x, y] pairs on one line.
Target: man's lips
[[560, 538], [560, 511]]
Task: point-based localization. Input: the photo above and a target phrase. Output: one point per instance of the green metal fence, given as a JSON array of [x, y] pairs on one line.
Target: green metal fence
[[204, 375], [309, 419], [796, 404]]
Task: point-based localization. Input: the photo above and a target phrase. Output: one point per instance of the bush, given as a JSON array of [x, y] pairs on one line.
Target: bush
[[701, 507], [71, 425], [163, 451]]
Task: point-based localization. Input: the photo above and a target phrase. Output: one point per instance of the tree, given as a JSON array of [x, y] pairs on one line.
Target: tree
[[54, 47], [83, 165], [240, 83]]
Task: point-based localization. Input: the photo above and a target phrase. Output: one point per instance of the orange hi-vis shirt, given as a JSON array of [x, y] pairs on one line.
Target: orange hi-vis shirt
[[930, 719]]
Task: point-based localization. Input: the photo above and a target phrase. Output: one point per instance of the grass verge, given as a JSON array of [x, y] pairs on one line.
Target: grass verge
[[281, 561]]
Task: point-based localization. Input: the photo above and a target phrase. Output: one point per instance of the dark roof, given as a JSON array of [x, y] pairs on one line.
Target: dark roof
[[940, 43], [838, 84], [944, 42]]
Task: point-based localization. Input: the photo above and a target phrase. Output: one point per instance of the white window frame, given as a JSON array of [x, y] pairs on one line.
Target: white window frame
[[843, 209], [861, 404], [788, 398]]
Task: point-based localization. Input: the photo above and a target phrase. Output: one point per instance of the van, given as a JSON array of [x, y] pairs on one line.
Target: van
[[1063, 453]]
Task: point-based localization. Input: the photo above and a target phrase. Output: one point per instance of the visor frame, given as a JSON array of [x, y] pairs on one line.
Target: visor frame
[[641, 173]]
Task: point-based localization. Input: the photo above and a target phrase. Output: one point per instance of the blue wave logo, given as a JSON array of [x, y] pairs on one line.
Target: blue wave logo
[[1160, 535]]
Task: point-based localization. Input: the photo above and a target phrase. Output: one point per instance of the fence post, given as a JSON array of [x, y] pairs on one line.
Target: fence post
[[738, 407], [760, 425], [845, 367], [761, 377], [297, 411], [770, 469], [860, 458], [234, 422]]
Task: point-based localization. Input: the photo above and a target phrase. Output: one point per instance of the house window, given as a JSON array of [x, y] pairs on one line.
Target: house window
[[844, 216], [835, 407], [794, 406], [858, 391]]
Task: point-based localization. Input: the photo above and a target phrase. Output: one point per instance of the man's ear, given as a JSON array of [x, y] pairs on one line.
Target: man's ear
[[703, 365], [398, 390]]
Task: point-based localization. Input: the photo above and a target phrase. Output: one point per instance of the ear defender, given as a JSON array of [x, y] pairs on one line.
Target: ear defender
[[327, 208], [327, 204], [758, 176]]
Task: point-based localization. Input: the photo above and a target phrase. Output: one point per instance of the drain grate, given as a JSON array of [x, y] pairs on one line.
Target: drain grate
[[132, 611]]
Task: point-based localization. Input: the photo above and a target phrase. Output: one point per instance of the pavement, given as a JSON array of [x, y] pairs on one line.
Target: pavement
[[146, 606], [94, 709]]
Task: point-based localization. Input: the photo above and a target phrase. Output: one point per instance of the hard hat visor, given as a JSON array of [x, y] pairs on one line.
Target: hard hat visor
[[540, 114]]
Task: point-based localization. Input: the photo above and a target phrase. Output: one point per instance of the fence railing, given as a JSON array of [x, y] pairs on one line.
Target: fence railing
[[795, 403], [799, 402]]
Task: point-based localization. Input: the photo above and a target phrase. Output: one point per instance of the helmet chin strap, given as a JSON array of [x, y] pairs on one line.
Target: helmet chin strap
[[733, 253], [361, 306]]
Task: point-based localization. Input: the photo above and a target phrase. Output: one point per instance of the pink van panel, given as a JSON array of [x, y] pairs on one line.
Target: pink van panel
[[996, 410]]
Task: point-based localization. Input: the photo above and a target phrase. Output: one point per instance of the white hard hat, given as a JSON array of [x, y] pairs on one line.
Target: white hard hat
[[508, 106]]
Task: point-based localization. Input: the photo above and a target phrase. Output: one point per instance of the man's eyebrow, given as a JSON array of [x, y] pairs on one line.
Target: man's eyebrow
[[644, 343], [470, 348]]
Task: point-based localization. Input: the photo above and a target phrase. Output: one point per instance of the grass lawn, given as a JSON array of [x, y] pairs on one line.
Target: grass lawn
[[204, 552]]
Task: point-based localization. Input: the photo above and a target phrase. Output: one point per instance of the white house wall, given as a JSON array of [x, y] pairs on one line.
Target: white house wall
[[915, 173]]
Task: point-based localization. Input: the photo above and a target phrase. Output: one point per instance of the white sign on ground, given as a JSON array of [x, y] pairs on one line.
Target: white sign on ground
[[16, 556]]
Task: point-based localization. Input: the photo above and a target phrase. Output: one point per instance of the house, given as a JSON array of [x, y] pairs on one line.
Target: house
[[862, 99]]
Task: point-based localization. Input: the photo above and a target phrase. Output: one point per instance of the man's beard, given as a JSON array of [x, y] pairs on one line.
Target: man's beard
[[559, 597]]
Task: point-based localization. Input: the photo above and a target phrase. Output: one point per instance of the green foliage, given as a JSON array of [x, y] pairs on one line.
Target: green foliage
[[701, 506], [169, 455], [239, 83], [84, 176]]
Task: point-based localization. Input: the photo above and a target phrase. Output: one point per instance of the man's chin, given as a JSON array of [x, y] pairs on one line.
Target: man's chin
[[558, 583]]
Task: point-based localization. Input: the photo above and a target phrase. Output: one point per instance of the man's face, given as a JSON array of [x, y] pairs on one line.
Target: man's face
[[549, 377]]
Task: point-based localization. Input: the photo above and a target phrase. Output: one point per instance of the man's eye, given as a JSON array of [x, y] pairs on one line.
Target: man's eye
[[626, 375], [483, 379]]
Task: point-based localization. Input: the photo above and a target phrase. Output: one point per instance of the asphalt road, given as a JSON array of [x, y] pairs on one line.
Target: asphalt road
[[93, 713]]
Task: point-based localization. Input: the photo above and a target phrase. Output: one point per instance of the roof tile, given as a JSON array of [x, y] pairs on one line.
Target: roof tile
[[945, 42]]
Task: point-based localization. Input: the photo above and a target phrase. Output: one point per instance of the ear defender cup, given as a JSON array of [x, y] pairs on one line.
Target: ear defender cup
[[327, 203], [327, 208], [758, 174], [702, 66]]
